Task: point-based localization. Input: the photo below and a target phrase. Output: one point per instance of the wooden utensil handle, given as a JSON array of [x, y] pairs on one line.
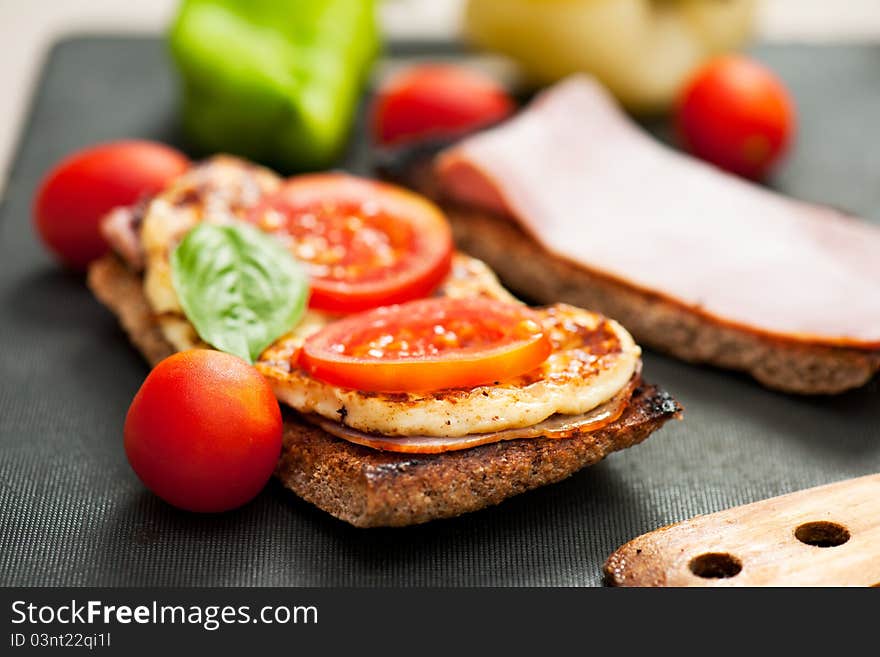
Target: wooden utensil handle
[[825, 536]]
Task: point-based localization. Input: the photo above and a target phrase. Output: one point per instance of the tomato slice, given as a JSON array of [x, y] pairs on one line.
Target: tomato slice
[[366, 243], [426, 345]]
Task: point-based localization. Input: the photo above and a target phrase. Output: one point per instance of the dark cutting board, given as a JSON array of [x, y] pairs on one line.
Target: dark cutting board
[[73, 513]]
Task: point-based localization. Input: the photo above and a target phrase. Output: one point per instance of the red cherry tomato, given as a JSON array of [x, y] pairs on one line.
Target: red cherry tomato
[[435, 100], [736, 114], [76, 194], [366, 244], [429, 344], [204, 431]]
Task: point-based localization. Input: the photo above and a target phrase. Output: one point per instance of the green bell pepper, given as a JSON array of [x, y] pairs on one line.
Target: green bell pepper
[[276, 81]]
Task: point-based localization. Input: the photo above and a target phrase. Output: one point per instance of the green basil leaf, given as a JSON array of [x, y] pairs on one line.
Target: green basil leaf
[[239, 287]]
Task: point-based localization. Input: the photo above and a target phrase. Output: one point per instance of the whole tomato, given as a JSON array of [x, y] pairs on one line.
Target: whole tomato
[[431, 100], [75, 195], [204, 431], [736, 114]]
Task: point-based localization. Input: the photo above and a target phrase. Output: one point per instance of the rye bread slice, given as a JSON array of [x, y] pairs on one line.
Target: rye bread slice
[[533, 273], [370, 488]]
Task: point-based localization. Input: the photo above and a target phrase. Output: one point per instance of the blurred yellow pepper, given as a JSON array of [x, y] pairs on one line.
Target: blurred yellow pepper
[[643, 50]]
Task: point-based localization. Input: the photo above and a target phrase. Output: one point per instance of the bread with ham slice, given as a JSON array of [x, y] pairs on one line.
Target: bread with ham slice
[[572, 201]]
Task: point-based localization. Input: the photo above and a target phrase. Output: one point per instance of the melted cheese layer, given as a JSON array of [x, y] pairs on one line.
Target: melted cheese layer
[[593, 358]]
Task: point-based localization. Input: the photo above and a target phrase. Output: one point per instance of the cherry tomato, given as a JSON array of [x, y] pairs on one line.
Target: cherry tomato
[[204, 431], [366, 244], [736, 114], [75, 195], [435, 100], [429, 344]]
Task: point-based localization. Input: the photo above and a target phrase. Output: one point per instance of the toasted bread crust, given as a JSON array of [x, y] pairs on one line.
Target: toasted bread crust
[[121, 290], [533, 273], [369, 488]]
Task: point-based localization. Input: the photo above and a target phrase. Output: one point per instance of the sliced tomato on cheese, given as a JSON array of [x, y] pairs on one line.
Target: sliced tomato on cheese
[[366, 244], [427, 345]]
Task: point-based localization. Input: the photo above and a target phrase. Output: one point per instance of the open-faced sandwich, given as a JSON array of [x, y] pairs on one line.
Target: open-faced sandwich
[[694, 261], [419, 388]]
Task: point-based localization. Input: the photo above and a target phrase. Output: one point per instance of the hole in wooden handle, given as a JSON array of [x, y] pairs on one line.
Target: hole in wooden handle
[[822, 534], [717, 565]]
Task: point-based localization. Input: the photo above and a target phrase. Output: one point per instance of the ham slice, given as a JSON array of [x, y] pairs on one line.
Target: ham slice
[[557, 426], [120, 229], [593, 188]]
